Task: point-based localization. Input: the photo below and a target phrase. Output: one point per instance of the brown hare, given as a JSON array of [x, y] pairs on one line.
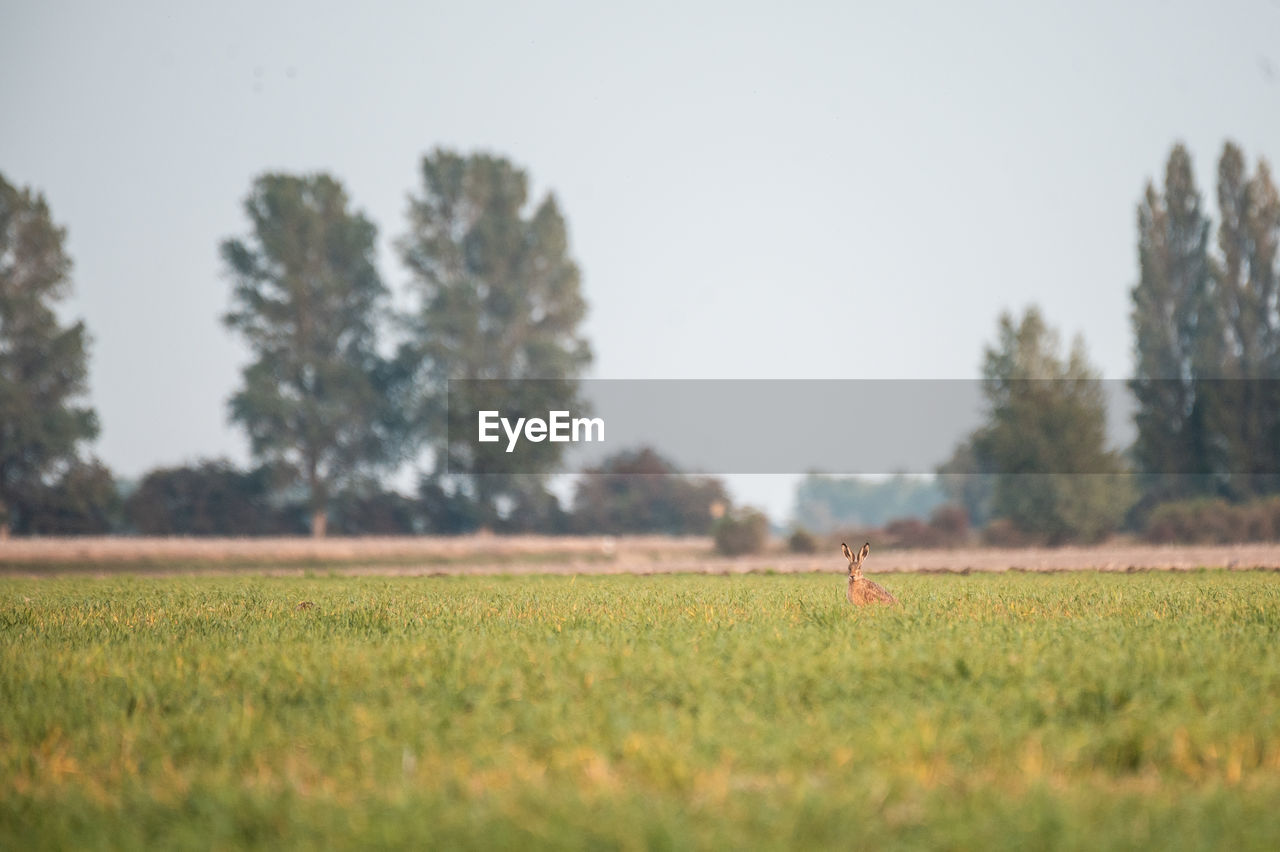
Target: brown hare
[[861, 590]]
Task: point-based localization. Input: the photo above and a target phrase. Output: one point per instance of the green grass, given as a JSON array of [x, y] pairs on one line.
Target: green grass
[[1076, 711]]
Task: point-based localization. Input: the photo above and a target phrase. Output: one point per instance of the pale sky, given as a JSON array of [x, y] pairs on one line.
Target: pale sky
[[798, 190]]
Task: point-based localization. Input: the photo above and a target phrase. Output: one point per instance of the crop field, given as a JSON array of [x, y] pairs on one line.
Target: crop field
[[1082, 710]]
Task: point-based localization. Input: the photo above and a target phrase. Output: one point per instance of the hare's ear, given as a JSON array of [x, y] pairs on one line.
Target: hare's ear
[[848, 554], [866, 548]]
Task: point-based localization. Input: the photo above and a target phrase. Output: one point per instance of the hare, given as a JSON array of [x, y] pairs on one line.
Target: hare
[[861, 590]]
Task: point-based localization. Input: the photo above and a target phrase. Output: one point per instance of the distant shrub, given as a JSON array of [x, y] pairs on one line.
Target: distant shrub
[[1213, 521], [211, 497], [802, 541], [374, 513], [1003, 532], [948, 526], [910, 532], [84, 500], [1261, 520], [639, 491], [741, 531], [951, 521]]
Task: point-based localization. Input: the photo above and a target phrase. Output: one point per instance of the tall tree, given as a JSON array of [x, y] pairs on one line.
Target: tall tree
[[1246, 410], [1044, 442], [43, 372], [499, 297], [317, 399], [1177, 333]]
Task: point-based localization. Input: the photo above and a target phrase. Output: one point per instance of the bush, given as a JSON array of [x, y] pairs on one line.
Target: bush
[[374, 513], [952, 522], [910, 532], [948, 526], [802, 541], [83, 501], [1003, 532], [741, 531], [208, 498], [641, 492], [1261, 520], [1213, 521]]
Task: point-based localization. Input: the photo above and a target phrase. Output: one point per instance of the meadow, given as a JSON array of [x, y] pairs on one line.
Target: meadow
[[1078, 710]]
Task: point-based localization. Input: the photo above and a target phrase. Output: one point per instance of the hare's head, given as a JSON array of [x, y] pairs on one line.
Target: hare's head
[[855, 559]]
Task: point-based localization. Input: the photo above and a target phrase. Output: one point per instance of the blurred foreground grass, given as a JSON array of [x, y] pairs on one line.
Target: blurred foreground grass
[[1080, 710]]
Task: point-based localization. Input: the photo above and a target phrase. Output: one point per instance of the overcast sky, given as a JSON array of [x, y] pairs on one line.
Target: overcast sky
[[796, 190]]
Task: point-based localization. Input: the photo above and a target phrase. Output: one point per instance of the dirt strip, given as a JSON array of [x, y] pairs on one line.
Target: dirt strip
[[1121, 559], [337, 549], [492, 555]]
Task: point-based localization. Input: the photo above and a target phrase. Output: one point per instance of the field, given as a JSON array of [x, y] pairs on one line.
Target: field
[[1082, 710]]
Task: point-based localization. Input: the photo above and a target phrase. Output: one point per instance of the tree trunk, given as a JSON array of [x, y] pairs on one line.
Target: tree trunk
[[319, 523], [4, 530], [319, 496]]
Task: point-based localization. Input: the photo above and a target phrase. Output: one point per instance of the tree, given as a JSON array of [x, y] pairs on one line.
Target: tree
[[373, 511], [1245, 409], [740, 532], [445, 508], [1207, 334], [1044, 440], [499, 298], [641, 492], [210, 497], [83, 500], [1177, 333], [43, 372], [318, 400], [966, 484]]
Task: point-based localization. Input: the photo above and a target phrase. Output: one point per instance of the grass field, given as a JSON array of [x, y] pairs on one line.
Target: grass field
[[1075, 710]]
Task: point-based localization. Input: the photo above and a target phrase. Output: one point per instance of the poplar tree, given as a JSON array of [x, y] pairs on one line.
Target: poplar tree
[[1177, 334], [1246, 410], [1207, 335]]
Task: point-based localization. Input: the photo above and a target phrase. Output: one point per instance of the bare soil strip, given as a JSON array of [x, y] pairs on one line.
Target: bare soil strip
[[496, 555]]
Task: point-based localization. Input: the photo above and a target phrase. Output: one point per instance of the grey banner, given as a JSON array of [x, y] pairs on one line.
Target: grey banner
[[725, 427]]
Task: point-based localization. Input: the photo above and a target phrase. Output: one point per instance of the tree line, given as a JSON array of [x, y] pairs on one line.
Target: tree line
[[1206, 331], [342, 389]]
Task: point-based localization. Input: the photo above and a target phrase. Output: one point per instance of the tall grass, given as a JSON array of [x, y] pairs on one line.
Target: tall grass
[[996, 711]]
